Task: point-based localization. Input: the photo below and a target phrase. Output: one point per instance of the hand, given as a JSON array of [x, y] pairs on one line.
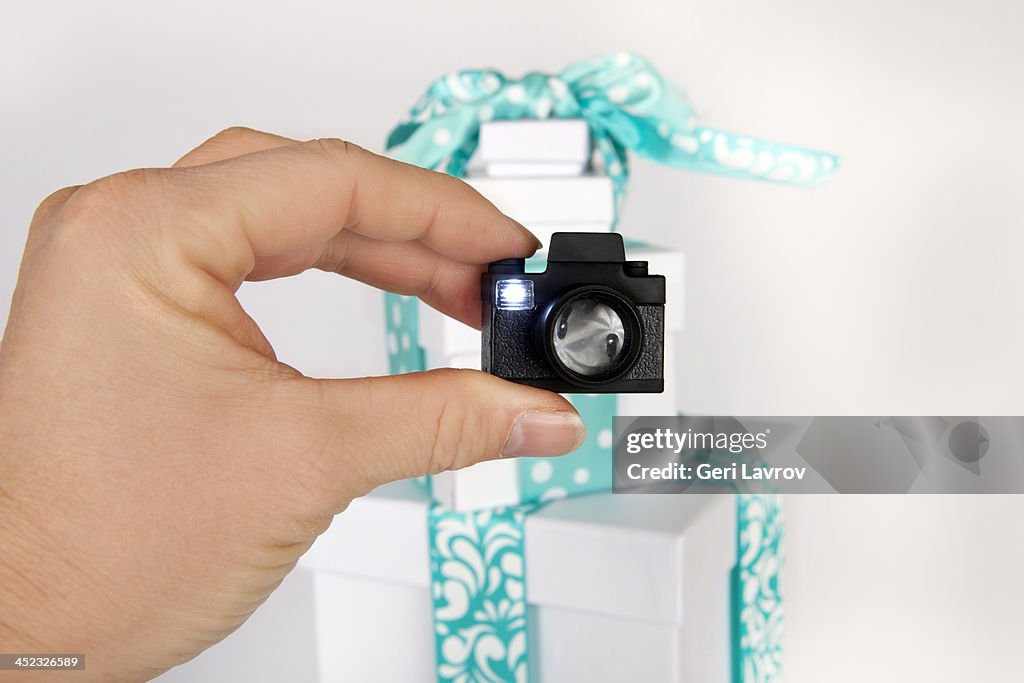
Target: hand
[[160, 470]]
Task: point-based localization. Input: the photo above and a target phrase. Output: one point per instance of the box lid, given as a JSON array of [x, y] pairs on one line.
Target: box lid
[[542, 141], [586, 199], [628, 556]]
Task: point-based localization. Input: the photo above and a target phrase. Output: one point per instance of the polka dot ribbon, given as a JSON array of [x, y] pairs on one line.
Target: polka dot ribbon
[[626, 102]]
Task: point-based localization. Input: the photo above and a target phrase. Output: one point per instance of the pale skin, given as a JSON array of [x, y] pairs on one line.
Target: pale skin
[[160, 470]]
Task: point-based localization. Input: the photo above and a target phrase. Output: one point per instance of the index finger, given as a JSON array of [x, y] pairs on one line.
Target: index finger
[[289, 202]]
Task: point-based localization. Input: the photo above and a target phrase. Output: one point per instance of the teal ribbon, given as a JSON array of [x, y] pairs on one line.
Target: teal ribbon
[[756, 589], [628, 105], [478, 586], [402, 324], [588, 469]]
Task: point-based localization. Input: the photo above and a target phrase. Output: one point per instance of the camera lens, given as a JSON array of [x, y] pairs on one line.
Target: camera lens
[[588, 336]]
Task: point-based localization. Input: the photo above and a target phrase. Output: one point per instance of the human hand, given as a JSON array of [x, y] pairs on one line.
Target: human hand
[[160, 470]]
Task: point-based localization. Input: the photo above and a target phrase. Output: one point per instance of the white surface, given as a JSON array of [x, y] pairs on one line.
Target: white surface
[[372, 631], [549, 205], [582, 199], [891, 290], [442, 337], [898, 588], [533, 169], [534, 148], [671, 263], [486, 484], [542, 141], [667, 557]]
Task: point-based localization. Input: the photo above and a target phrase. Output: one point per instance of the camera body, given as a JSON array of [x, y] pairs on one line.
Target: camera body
[[592, 322]]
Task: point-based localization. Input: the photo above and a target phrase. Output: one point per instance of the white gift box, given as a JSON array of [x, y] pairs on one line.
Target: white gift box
[[556, 147], [619, 588], [549, 205]]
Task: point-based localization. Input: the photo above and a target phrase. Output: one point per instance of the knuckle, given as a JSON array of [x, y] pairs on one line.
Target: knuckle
[[82, 220], [335, 147], [125, 184], [121, 194], [218, 146], [113, 202], [233, 133], [51, 204]]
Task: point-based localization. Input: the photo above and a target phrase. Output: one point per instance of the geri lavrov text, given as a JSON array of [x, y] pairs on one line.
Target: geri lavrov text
[[662, 440]]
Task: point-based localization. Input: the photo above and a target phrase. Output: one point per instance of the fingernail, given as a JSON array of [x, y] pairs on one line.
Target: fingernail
[[537, 243], [540, 433]]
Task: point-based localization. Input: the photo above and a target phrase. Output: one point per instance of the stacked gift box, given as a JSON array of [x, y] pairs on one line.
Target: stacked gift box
[[513, 155], [619, 587], [504, 571]]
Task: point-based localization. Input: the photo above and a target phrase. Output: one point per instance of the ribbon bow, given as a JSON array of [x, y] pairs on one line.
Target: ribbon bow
[[625, 101]]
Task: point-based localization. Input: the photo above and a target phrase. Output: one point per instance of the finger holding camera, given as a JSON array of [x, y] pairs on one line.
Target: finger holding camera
[[160, 470]]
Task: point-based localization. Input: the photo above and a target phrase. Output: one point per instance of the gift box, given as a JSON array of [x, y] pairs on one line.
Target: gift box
[[553, 147], [628, 108], [425, 338], [533, 171], [619, 588], [548, 205]]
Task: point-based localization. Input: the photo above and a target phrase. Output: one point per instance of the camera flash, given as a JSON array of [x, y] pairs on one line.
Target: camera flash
[[513, 295]]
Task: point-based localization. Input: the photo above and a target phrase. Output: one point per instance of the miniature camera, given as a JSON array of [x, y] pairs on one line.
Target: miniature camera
[[592, 322]]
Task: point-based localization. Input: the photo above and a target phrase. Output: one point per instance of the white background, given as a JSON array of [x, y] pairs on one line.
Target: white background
[[893, 289]]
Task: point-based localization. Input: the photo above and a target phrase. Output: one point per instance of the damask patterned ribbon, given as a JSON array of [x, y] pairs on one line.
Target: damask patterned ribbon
[[757, 610], [478, 587], [625, 101]]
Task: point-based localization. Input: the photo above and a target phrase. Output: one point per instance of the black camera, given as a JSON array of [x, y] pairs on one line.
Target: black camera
[[592, 322]]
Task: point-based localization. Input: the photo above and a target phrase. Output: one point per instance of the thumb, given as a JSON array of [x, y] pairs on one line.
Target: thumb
[[381, 429]]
